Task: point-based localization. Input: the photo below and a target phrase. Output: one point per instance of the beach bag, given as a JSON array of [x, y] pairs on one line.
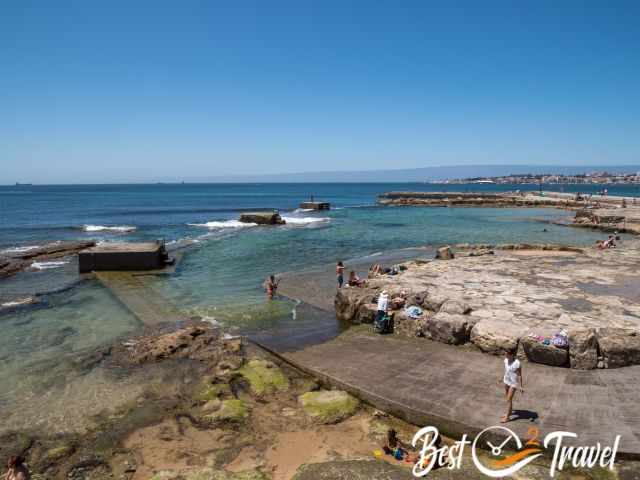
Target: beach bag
[[382, 324]]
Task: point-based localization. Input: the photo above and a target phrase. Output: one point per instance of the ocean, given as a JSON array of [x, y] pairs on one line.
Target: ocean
[[220, 275]]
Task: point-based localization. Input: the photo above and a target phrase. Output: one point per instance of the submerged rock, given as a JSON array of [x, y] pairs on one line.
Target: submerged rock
[[58, 453], [352, 470], [208, 473], [208, 390], [232, 411], [328, 406], [264, 377]]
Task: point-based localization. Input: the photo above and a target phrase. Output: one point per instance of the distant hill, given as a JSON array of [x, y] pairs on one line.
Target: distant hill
[[419, 174]]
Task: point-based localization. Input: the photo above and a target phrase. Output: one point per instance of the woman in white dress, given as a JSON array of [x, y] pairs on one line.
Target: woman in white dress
[[512, 381]]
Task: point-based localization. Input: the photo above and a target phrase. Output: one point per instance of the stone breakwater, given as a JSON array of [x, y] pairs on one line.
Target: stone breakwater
[[465, 199], [496, 298], [608, 214], [14, 262]]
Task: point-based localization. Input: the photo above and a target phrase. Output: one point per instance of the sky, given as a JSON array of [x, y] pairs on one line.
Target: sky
[[144, 91]]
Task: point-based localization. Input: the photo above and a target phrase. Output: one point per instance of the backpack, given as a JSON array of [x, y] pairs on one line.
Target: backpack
[[382, 324]]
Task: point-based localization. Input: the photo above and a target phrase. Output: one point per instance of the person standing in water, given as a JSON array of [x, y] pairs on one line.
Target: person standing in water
[[271, 285], [340, 273], [512, 381], [16, 469]]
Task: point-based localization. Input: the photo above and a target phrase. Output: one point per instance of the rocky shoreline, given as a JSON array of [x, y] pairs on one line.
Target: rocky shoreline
[[500, 297], [239, 415], [242, 415], [12, 262]]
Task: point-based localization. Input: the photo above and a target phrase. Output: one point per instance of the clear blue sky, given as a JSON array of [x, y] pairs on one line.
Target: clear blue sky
[[116, 91]]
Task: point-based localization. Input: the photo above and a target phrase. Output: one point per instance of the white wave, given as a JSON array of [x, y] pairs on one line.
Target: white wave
[[211, 320], [20, 249], [48, 265], [104, 228], [17, 303], [302, 221], [223, 224]]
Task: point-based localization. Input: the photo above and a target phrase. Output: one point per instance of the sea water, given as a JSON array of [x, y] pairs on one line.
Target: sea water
[[220, 276]]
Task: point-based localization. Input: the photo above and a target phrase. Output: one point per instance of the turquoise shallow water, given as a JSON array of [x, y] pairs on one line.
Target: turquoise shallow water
[[220, 276]]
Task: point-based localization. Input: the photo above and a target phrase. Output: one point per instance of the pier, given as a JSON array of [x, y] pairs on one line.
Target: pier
[[315, 205], [123, 257]]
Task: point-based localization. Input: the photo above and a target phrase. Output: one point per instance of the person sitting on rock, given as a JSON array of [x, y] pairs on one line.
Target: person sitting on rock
[[17, 469], [399, 301], [355, 280], [375, 270]]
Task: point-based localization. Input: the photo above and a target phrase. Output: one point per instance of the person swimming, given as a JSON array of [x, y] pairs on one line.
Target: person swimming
[[271, 286]]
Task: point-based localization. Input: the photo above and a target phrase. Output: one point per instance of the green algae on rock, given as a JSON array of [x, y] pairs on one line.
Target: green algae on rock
[[352, 470], [210, 474], [264, 377], [208, 391], [233, 411], [328, 406], [58, 453]]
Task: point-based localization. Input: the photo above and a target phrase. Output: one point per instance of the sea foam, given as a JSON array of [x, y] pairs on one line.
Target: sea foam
[[17, 303], [48, 265], [223, 224], [303, 221], [19, 249], [104, 228]]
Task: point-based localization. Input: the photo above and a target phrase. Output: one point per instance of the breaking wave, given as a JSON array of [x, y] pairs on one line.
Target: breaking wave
[[19, 249], [103, 228], [223, 224], [303, 221]]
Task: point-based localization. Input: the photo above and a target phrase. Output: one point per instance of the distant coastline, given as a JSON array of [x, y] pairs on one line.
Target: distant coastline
[[405, 175]]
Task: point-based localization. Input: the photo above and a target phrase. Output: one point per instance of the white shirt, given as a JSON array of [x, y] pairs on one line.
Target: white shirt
[[511, 372], [383, 302]]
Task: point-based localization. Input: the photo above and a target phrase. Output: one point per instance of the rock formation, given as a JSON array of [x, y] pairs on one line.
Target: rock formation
[[262, 218], [515, 298]]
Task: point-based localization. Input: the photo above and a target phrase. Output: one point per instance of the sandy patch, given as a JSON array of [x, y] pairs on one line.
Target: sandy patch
[[172, 446]]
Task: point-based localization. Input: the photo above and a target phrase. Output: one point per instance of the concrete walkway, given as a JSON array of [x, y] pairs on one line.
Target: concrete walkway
[[429, 383], [147, 305]]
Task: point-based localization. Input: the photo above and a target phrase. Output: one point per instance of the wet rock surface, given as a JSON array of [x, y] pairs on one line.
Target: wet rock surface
[[14, 262], [262, 218]]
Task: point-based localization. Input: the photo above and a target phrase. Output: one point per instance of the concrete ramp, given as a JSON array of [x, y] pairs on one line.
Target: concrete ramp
[[144, 302]]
